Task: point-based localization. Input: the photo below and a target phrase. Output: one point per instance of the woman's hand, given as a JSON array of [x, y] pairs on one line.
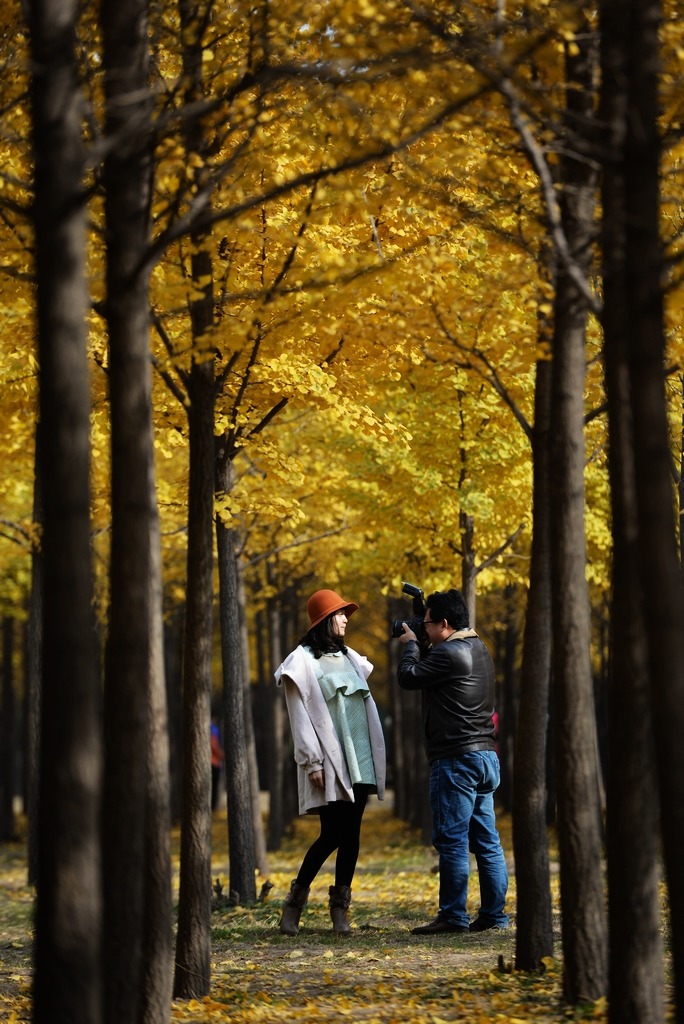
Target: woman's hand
[[318, 779]]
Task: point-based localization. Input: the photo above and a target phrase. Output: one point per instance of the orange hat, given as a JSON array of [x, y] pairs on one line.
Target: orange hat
[[324, 603]]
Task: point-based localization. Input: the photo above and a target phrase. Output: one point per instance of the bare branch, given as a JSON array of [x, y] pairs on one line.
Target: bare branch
[[16, 533], [491, 375], [173, 386], [538, 160], [486, 562], [297, 543]]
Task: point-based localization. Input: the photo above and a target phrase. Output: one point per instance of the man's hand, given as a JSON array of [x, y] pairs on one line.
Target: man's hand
[[318, 779], [407, 635]]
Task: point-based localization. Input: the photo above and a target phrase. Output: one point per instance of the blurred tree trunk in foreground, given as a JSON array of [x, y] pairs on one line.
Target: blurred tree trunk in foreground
[[67, 978], [647, 564]]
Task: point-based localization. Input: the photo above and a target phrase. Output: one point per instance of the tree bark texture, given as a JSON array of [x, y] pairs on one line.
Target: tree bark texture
[[127, 181], [157, 943], [396, 754], [468, 570], [275, 728], [406, 741], [260, 855], [174, 624], [661, 588], [410, 765], [633, 814], [505, 699], [680, 482], [241, 852], [8, 740], [34, 661], [579, 811], [534, 929], [193, 946], [67, 975]]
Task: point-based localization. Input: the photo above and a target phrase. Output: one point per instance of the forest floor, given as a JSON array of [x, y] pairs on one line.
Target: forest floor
[[380, 974]]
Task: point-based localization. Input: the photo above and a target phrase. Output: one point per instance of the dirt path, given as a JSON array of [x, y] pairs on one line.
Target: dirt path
[[380, 974]]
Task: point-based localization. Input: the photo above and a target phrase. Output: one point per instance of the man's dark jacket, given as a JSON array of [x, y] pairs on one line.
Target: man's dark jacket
[[456, 678]]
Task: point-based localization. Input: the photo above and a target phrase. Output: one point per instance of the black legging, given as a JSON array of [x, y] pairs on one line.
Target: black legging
[[341, 831]]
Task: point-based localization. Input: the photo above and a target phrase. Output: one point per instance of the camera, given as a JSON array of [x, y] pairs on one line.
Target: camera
[[416, 623]]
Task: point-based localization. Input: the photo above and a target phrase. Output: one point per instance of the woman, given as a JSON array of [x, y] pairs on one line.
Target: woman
[[339, 750]]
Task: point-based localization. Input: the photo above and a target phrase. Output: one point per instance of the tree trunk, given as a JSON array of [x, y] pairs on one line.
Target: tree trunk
[[8, 743], [275, 747], [579, 824], [290, 633], [661, 589], [534, 929], [680, 488], [260, 856], [67, 978], [633, 818], [468, 571], [242, 858], [633, 814], [127, 179], [406, 747], [465, 523], [505, 701], [416, 782], [193, 946], [174, 622], [34, 659], [579, 817], [396, 751], [157, 944]]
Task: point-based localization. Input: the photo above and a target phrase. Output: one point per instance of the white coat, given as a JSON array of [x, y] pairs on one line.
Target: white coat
[[316, 745]]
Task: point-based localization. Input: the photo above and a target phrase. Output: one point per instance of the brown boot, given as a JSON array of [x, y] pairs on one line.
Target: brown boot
[[340, 898], [293, 904]]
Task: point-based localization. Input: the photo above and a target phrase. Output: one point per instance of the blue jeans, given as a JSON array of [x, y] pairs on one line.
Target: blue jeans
[[462, 799]]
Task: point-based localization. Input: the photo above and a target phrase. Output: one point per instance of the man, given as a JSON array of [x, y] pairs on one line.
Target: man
[[456, 678]]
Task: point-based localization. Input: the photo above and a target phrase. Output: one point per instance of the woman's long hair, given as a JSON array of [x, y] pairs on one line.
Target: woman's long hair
[[322, 640]]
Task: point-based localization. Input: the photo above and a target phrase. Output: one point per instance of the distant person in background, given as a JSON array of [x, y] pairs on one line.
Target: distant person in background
[[456, 678], [338, 747], [217, 759]]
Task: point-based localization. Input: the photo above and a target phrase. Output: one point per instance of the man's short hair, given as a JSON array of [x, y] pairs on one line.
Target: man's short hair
[[449, 605]]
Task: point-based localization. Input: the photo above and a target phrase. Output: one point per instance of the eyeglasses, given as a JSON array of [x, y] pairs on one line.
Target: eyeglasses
[[430, 622]]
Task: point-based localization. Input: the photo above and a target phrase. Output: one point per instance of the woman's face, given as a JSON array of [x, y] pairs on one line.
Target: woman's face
[[339, 623]]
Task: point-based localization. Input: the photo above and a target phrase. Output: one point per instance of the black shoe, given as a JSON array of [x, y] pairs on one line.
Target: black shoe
[[478, 925], [438, 927]]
